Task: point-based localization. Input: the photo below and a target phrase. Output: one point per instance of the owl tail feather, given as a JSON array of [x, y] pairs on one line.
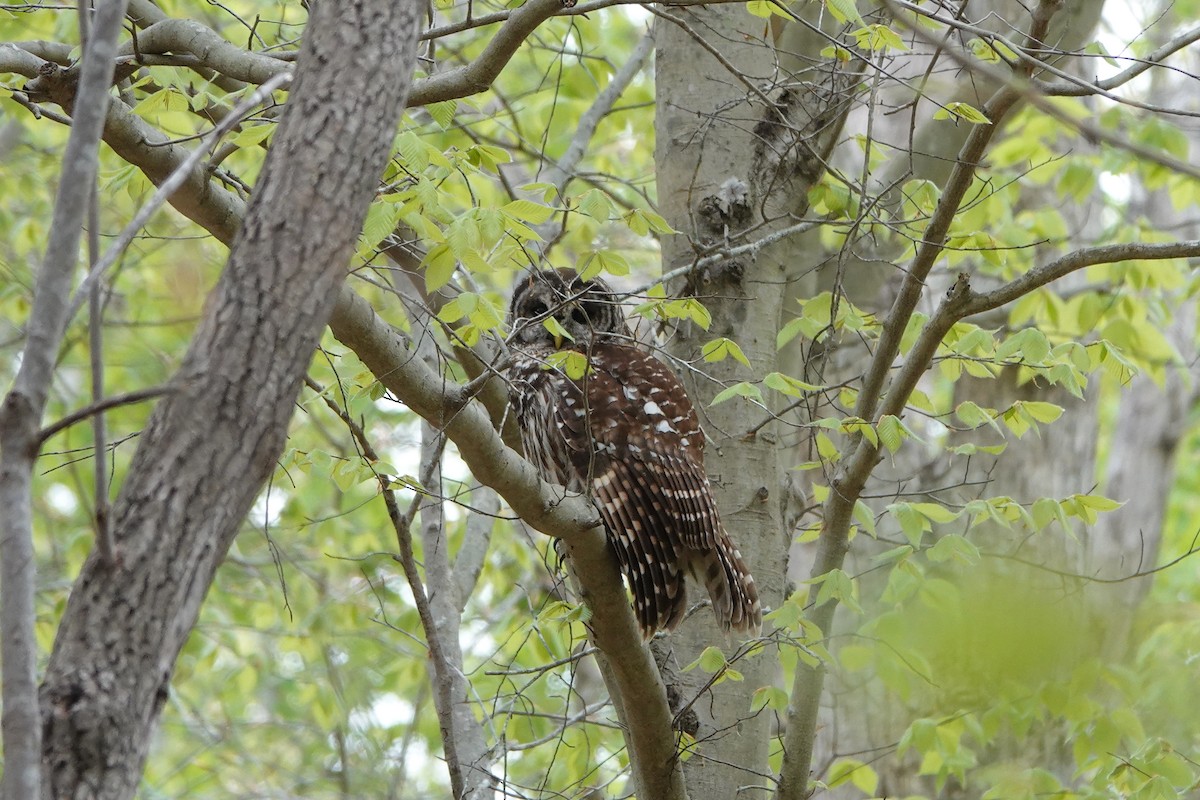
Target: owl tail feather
[[730, 586]]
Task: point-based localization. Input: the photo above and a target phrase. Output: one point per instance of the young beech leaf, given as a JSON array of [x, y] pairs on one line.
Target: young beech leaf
[[892, 432], [768, 697], [742, 389], [439, 267], [844, 10], [573, 364], [1042, 412], [963, 111], [720, 349], [786, 384], [953, 547], [556, 329], [527, 211], [711, 660], [641, 222], [853, 771]]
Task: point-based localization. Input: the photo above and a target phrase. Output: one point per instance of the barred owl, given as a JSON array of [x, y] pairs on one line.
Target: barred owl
[[626, 435]]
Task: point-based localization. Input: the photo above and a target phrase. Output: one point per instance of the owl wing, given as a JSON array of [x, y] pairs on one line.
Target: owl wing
[[642, 452], [627, 434]]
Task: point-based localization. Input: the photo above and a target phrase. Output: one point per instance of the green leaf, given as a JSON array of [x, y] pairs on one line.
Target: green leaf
[[563, 612], [936, 513], [826, 449], [594, 262], [595, 204], [572, 363], [859, 426], [963, 111], [973, 416], [954, 547], [786, 384], [556, 329], [1041, 411], [768, 697], [878, 38], [720, 349], [380, 222], [761, 8], [912, 330], [527, 211], [844, 10], [851, 770], [710, 661], [1030, 344], [439, 265], [1044, 511], [695, 311], [839, 586], [912, 523], [742, 389], [891, 432], [252, 135], [443, 113], [864, 517], [547, 190], [641, 221], [456, 309], [837, 52]]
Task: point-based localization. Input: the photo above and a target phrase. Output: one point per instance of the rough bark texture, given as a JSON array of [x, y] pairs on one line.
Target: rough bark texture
[[179, 510]]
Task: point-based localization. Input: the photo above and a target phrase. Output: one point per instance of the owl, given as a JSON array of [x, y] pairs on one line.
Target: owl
[[625, 434]]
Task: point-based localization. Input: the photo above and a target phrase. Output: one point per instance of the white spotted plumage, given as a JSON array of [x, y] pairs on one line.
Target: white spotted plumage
[[626, 434]]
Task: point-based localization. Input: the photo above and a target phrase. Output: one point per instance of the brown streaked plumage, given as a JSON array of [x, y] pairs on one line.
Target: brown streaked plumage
[[625, 434]]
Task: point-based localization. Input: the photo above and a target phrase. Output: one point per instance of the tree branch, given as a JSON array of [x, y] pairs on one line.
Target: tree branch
[[21, 413], [392, 358], [860, 458], [100, 406]]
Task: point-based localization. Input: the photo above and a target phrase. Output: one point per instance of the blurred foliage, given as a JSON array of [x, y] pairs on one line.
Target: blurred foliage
[[306, 675]]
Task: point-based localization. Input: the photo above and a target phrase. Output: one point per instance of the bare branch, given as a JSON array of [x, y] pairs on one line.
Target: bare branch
[[1022, 81], [1070, 85], [113, 401], [563, 170], [478, 75], [469, 561]]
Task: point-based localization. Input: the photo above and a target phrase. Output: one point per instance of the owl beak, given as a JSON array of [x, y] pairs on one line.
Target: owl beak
[[558, 340]]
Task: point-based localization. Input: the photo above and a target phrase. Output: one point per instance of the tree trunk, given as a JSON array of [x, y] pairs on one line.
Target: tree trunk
[[731, 167], [228, 412]]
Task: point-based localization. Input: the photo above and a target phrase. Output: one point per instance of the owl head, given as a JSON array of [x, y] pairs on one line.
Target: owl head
[[586, 310]]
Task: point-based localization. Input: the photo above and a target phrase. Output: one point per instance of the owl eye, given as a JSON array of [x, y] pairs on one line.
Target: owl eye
[[580, 317], [537, 308]]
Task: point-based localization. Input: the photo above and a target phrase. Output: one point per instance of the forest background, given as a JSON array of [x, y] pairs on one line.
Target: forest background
[[925, 267]]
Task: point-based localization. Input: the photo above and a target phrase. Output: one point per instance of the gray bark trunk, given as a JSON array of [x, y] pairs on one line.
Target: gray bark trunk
[[730, 168], [211, 444]]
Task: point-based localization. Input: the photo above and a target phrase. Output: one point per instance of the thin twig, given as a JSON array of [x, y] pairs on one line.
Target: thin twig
[[96, 350], [105, 404]]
